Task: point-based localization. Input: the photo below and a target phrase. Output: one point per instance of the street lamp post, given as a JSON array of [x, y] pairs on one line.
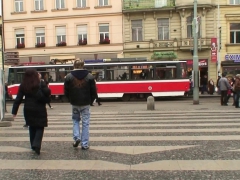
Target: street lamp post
[[195, 56], [218, 40]]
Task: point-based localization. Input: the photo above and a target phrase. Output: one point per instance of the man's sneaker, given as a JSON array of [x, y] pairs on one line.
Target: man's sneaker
[[85, 147], [76, 143]]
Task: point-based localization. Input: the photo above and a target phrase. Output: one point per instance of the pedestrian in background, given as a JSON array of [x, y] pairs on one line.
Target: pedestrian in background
[[204, 83], [97, 98], [211, 86], [36, 95], [224, 87], [237, 90], [218, 90], [80, 89]]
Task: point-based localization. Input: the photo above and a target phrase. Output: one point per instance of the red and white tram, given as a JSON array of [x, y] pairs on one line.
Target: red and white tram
[[114, 79]]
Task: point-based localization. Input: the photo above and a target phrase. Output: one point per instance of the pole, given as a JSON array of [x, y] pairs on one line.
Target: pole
[[218, 41], [195, 56]]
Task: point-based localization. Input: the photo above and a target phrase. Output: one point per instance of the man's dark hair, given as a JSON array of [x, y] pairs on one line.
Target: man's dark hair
[[224, 74]]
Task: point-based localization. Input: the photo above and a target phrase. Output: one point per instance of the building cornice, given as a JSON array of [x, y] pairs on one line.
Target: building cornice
[[63, 17]]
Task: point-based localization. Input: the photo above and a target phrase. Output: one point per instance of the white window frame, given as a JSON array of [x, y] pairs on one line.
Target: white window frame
[[234, 31], [164, 29], [79, 3], [103, 2], [20, 35], [82, 32], [40, 35], [234, 2], [61, 4], [139, 37], [61, 34], [40, 4], [104, 32], [18, 5]]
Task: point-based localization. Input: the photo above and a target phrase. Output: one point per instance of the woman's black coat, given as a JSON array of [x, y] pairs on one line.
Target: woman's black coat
[[35, 112]]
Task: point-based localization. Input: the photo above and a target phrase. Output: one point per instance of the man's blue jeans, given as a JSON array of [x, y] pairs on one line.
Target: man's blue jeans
[[81, 113]]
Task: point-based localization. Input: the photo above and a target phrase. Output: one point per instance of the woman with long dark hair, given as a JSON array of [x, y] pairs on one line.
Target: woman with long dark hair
[[36, 96]]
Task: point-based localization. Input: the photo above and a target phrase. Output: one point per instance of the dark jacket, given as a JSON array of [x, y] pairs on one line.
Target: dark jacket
[[80, 95], [34, 111]]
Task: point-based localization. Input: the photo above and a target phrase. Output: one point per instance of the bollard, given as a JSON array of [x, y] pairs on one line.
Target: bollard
[[150, 103]]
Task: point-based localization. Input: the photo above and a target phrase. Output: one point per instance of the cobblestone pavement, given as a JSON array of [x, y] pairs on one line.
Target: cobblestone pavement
[[176, 141]]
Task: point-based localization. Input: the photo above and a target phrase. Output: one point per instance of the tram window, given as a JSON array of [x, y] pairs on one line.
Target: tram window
[[184, 70], [166, 73], [51, 75], [62, 72], [97, 72], [141, 72], [117, 73], [19, 75], [11, 76]]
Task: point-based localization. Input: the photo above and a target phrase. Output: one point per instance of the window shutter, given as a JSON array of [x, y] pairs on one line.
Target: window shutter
[[61, 30], [40, 30], [19, 31], [104, 28], [82, 29]]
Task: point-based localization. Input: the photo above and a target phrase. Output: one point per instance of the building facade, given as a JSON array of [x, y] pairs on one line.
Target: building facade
[[162, 30], [41, 30], [230, 36]]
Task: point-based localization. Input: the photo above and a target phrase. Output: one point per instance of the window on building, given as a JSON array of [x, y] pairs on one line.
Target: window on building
[[102, 2], [82, 32], [18, 5], [61, 34], [234, 2], [81, 3], [235, 33], [160, 3], [136, 30], [104, 32], [60, 4], [20, 36], [163, 29], [38, 5], [40, 35], [190, 27]]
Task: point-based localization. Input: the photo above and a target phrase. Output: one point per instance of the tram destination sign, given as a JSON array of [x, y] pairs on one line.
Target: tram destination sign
[[232, 57], [11, 58]]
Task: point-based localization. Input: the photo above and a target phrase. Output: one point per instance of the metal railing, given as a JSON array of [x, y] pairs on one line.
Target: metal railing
[[145, 4]]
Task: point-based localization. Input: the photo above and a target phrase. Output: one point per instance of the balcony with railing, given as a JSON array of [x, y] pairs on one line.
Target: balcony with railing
[[132, 5]]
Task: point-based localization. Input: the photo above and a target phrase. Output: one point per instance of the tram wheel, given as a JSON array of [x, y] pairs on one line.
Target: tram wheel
[[126, 97]]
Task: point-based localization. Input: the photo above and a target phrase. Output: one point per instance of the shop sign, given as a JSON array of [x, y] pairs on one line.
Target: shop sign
[[214, 49], [164, 55], [201, 62], [232, 57]]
